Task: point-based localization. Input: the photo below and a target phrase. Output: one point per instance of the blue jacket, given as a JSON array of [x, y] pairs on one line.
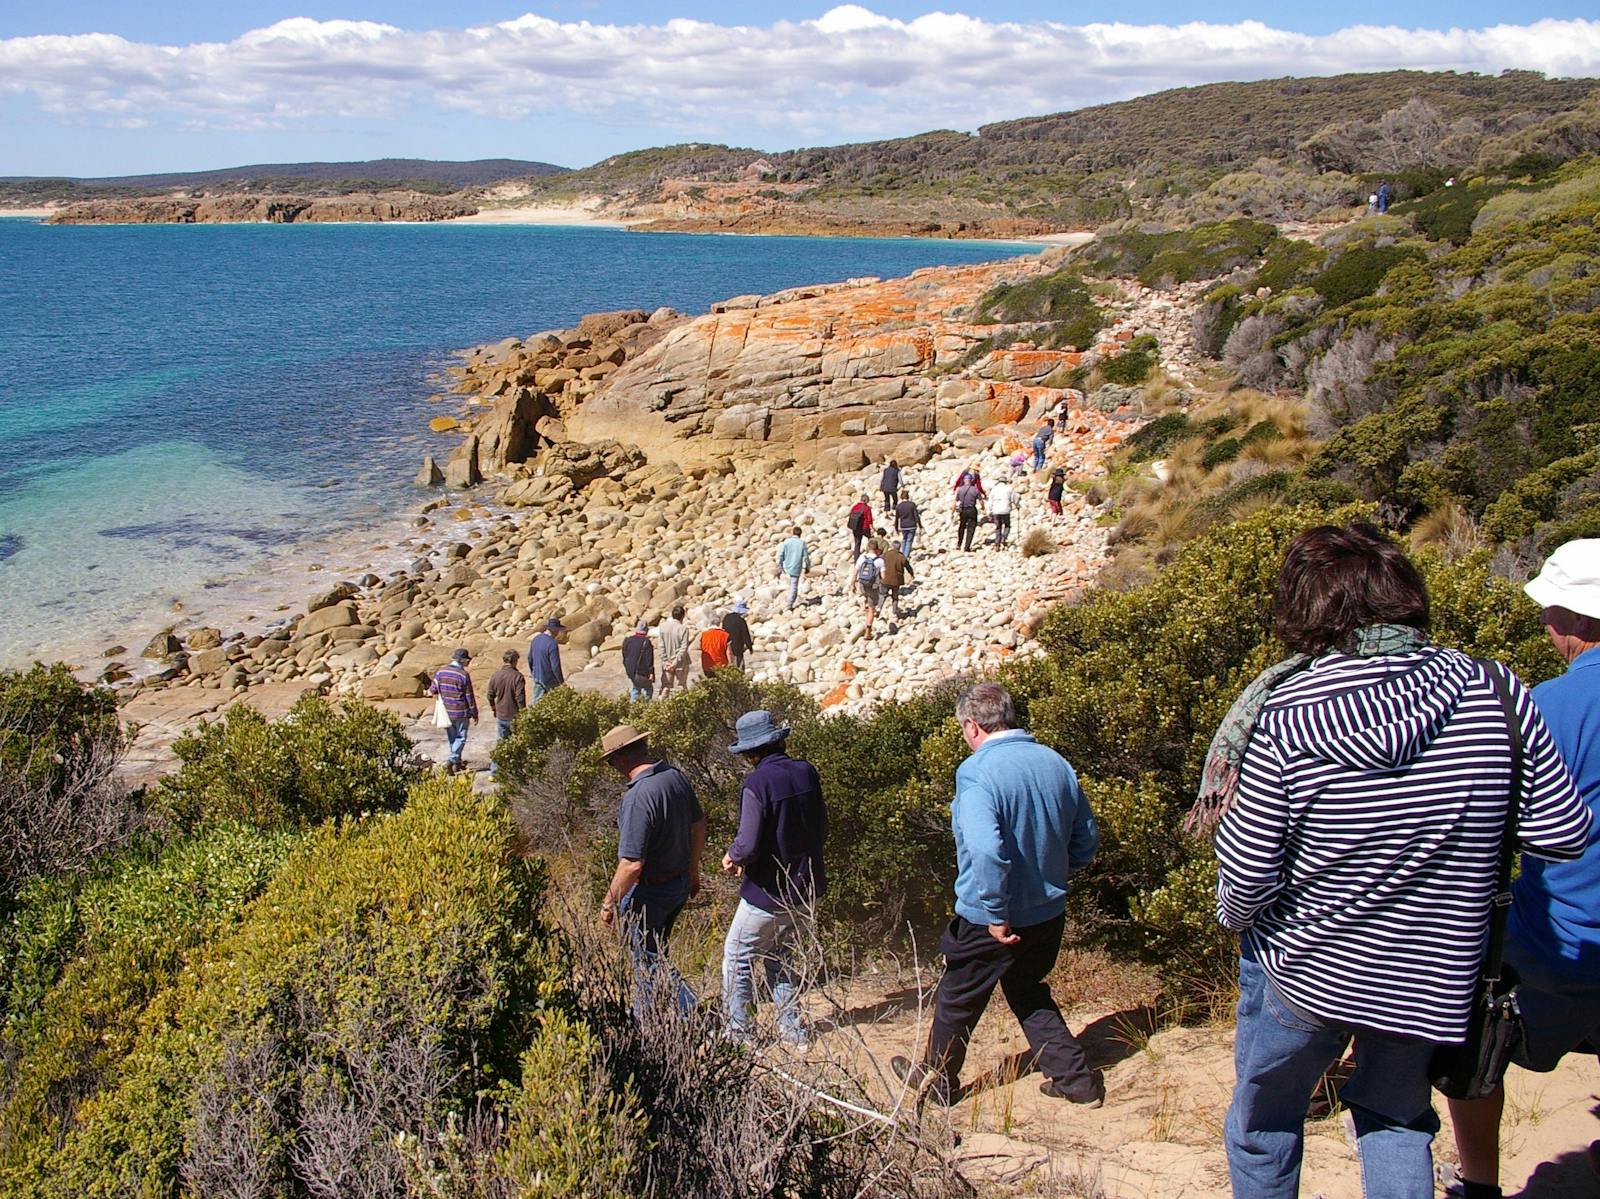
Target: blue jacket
[[783, 823], [1022, 826], [544, 660], [1555, 906]]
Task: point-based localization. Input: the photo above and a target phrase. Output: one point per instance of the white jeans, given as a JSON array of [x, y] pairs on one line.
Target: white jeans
[[770, 937]]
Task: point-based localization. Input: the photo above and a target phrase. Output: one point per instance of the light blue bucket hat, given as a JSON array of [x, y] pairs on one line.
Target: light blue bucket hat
[[755, 729]]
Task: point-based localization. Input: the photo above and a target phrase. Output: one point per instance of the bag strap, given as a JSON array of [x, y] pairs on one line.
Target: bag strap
[[1501, 909]]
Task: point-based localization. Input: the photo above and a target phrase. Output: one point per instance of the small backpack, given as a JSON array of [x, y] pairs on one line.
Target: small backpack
[[867, 571], [857, 523]]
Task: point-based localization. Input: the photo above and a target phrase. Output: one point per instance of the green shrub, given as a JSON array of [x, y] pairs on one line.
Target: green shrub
[[1134, 364], [1288, 264], [84, 960], [1061, 298], [1180, 256], [1359, 272], [321, 760], [568, 1136], [1220, 452], [61, 806], [1447, 214], [1156, 438], [382, 983]]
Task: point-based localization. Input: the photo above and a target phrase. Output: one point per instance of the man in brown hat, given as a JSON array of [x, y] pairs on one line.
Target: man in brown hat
[[662, 837]]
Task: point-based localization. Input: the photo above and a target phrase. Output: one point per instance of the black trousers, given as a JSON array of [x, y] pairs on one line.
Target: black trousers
[[889, 498], [966, 526], [975, 963], [1002, 527]]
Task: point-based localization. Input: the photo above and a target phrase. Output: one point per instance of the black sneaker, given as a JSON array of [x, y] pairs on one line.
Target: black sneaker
[[1091, 1095], [924, 1081]]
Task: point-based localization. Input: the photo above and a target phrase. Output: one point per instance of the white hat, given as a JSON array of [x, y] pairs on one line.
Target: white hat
[[1570, 578]]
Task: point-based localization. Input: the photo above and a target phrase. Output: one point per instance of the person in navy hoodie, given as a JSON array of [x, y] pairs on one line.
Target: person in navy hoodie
[[1022, 828]]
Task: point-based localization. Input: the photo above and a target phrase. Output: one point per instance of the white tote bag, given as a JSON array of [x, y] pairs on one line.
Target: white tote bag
[[441, 714]]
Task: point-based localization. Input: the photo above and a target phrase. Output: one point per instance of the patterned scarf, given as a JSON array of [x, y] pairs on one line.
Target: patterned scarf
[[1219, 782]]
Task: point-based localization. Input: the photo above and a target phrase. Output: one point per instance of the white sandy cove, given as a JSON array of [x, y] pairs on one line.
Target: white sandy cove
[[34, 212], [546, 215]]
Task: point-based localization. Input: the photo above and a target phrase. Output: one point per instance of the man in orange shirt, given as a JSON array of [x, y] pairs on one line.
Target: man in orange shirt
[[714, 651]]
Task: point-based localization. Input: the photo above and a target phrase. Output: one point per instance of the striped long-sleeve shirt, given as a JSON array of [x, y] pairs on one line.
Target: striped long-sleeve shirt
[[1359, 859], [454, 686]]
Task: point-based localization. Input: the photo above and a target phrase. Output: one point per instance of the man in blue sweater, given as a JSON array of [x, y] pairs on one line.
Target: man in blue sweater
[[1553, 940], [544, 658], [1022, 827], [783, 823]]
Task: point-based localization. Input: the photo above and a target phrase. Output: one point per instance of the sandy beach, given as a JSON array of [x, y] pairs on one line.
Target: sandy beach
[[542, 215], [28, 212]]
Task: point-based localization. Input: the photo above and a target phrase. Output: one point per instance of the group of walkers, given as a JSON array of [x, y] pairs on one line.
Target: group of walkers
[[1365, 793], [1366, 796]]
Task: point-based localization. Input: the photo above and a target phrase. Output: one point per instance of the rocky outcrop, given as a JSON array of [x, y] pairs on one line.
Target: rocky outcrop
[[280, 210], [824, 372]]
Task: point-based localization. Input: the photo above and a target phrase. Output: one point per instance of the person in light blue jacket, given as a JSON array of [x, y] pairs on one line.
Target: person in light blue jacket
[[1022, 827], [794, 560]]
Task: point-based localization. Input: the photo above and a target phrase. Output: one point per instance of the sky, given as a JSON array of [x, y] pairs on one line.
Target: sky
[[110, 87]]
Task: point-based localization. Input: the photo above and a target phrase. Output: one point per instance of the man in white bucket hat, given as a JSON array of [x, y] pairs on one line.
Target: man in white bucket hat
[[1553, 943]]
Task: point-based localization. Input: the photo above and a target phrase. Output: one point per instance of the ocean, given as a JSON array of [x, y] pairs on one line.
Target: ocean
[[205, 409]]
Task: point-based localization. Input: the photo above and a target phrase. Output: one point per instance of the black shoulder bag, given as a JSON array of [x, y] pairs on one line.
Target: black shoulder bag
[[1474, 1068]]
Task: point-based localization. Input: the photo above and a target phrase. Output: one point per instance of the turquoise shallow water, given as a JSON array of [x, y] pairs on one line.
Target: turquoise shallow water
[[181, 405]]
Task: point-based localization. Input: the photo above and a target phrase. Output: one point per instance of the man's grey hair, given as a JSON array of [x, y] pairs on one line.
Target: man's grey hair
[[990, 705]]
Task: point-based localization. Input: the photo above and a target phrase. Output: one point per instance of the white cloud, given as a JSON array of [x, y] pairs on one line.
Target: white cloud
[[849, 73]]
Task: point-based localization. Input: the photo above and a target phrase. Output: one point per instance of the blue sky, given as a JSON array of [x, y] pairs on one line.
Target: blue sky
[[121, 87]]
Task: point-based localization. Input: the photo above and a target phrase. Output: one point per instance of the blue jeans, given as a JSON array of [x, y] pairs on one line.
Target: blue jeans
[[1038, 456], [770, 938], [539, 691], [650, 910], [455, 737], [907, 536], [794, 590], [644, 688], [1279, 1055], [502, 731]]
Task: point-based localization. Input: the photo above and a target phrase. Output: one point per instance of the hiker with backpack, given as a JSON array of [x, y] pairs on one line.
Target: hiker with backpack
[[869, 582], [859, 522], [1058, 486]]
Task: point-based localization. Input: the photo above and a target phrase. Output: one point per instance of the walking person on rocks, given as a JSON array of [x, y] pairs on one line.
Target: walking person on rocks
[[673, 636], [507, 695], [777, 854], [1058, 486], [1364, 788], [738, 630], [1041, 442], [1022, 828], [907, 520], [968, 496], [869, 582], [544, 659], [889, 484], [969, 474], [1002, 502], [896, 568], [661, 840], [1553, 935], [794, 560], [453, 685], [714, 650], [639, 662], [859, 522]]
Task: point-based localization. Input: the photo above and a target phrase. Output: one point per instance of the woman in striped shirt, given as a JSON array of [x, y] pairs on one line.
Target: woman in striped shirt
[[1365, 783]]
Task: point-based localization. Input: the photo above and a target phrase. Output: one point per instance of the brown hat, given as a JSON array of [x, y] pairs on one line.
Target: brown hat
[[620, 737]]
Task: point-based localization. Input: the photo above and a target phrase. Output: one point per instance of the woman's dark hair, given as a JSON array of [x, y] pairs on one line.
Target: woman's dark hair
[[1335, 581]]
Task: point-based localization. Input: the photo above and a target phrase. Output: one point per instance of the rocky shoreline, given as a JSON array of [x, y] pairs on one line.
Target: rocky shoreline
[[725, 432], [269, 209]]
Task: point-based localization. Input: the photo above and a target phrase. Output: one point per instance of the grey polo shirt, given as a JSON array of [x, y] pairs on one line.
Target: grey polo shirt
[[658, 809]]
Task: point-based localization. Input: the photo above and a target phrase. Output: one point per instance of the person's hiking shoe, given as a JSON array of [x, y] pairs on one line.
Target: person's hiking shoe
[[1092, 1095], [922, 1080]]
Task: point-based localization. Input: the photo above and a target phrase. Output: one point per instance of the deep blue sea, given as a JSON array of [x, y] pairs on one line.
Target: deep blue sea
[[182, 406]]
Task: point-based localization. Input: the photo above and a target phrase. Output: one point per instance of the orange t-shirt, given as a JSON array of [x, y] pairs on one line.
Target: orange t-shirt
[[714, 650]]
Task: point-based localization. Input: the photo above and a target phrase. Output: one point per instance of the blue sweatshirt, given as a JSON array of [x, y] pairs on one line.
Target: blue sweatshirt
[[544, 659], [1022, 826], [1555, 906]]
